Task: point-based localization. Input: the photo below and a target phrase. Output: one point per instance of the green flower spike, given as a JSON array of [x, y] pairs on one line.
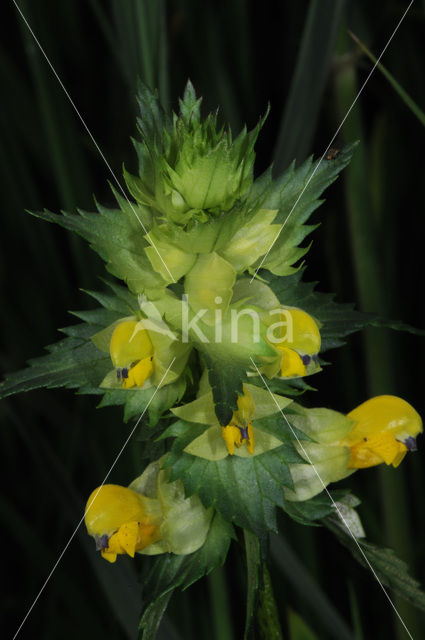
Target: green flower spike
[[151, 516], [217, 442], [189, 170]]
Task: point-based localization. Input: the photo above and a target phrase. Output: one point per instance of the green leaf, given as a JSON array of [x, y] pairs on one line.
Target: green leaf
[[308, 511], [117, 235], [389, 569], [226, 383], [73, 362], [152, 616], [244, 490], [170, 571], [296, 195], [338, 320], [253, 564], [135, 401]]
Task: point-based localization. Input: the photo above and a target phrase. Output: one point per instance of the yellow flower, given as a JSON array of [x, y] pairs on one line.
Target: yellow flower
[[300, 345], [121, 521], [385, 429], [131, 354], [239, 431]]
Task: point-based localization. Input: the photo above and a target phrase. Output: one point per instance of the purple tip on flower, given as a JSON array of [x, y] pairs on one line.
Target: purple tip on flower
[[410, 443], [118, 370], [102, 542], [124, 372], [306, 359], [244, 433]]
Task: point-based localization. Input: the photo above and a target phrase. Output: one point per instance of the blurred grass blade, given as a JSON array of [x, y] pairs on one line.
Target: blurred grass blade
[[311, 72], [375, 293], [288, 563], [298, 629], [355, 612], [408, 101], [220, 604]]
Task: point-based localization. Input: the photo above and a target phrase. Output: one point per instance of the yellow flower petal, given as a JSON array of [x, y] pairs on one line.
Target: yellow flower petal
[[110, 557], [385, 428], [292, 364], [250, 442], [232, 436], [305, 332], [129, 342], [378, 448], [110, 506], [128, 536], [138, 374]]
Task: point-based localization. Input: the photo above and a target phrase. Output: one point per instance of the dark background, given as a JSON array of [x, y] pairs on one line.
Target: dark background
[[55, 446]]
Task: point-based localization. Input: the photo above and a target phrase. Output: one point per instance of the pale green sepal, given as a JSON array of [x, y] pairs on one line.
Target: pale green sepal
[[323, 425], [169, 261], [202, 410], [209, 285], [165, 350], [329, 464], [252, 240], [258, 292], [185, 520], [266, 403], [211, 446]]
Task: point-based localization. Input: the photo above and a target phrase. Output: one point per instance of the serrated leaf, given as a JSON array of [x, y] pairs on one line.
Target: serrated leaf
[[226, 383], [117, 235], [152, 616], [244, 490], [74, 362], [389, 569], [135, 401], [171, 571], [296, 195], [307, 512], [338, 320]]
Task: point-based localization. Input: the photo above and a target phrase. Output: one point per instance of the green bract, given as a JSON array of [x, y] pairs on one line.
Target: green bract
[[189, 170]]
